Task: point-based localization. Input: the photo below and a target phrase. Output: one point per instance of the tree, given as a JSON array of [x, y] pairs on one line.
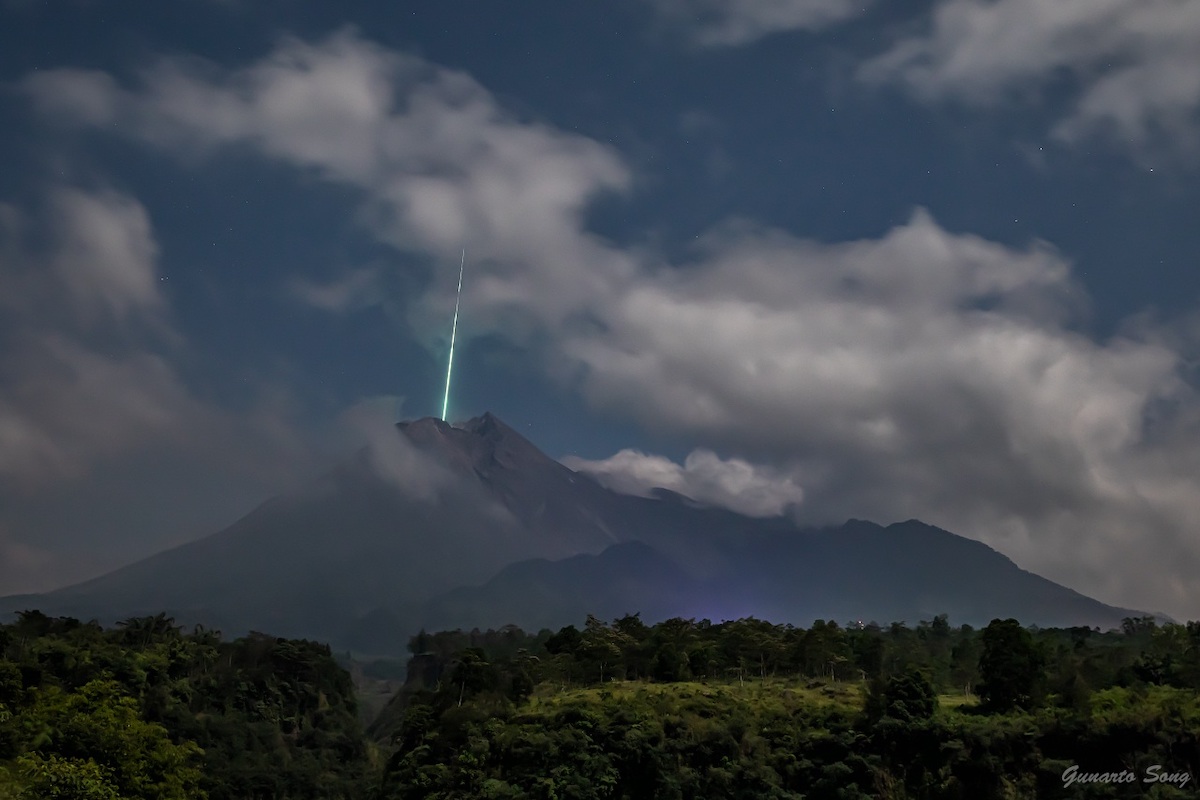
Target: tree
[[565, 641], [669, 664], [1010, 667], [1134, 627], [636, 649], [964, 660], [750, 642], [472, 674], [908, 698], [54, 778], [867, 650], [145, 711], [142, 631], [11, 685], [899, 715], [673, 645], [94, 741], [603, 645], [824, 647]]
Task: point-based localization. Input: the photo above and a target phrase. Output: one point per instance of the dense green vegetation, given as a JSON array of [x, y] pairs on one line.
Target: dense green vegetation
[[679, 709], [749, 709], [148, 711]]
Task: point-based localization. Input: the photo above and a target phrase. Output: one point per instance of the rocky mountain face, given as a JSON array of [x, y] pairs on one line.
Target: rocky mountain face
[[473, 526]]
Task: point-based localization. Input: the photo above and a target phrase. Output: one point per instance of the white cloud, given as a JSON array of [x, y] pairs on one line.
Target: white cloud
[[1133, 64], [704, 476], [87, 256], [105, 254], [737, 22], [442, 165], [91, 388], [67, 405], [923, 373], [392, 456], [67, 399], [87, 361]]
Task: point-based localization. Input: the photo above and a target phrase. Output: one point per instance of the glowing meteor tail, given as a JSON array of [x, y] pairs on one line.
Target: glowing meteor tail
[[453, 332]]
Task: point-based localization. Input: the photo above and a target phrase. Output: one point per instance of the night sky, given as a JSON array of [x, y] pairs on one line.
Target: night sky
[[826, 258]]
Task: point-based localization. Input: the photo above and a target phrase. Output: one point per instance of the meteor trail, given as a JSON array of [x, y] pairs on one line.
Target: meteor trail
[[453, 331]]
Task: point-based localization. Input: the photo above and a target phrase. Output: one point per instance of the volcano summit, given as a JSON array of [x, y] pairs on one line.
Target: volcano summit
[[439, 526]]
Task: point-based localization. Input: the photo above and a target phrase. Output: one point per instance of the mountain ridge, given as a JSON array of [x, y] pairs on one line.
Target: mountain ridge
[[465, 525]]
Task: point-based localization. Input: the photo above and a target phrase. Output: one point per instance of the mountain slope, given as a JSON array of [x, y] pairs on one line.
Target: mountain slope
[[360, 541], [627, 578], [474, 526], [859, 571]]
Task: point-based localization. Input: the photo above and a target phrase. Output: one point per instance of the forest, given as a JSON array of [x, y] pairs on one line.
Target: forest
[[620, 709], [145, 710]]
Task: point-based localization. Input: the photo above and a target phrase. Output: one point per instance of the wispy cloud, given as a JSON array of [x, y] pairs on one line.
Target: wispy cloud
[[92, 383], [29, 568], [1132, 65], [391, 455], [69, 399], [704, 476], [723, 23], [353, 289]]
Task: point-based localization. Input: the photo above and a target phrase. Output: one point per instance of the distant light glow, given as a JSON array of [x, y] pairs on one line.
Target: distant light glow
[[453, 332]]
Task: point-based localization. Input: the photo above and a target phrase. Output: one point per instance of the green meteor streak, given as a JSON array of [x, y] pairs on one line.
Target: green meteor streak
[[453, 331]]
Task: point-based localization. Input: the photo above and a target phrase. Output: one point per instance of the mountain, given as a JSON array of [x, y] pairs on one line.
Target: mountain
[[859, 571], [473, 526]]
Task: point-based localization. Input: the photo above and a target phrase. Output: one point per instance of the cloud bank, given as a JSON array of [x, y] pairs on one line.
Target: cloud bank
[[68, 400], [106, 447], [922, 373]]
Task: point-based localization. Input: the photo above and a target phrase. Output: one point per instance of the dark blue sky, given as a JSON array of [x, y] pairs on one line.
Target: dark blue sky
[[930, 260]]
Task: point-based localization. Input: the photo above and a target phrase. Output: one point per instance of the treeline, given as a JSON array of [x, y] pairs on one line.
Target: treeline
[[147, 710], [613, 710], [1060, 665], [688, 708]]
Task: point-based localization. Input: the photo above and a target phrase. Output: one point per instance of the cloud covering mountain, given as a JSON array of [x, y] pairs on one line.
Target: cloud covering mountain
[[925, 364]]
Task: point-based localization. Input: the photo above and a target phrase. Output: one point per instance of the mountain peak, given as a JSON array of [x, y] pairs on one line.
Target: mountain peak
[[479, 441], [507, 447], [488, 425]]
